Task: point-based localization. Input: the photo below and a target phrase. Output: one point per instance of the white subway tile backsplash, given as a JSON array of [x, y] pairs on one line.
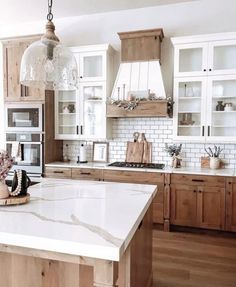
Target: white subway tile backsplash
[[158, 131]]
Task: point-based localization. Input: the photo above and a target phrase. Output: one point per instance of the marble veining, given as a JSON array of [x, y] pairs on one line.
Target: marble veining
[[85, 218]]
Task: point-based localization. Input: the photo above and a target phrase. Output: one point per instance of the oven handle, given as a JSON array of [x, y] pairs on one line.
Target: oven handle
[[10, 142]]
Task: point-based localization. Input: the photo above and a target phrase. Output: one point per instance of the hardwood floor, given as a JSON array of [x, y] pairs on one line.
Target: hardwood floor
[[183, 259]]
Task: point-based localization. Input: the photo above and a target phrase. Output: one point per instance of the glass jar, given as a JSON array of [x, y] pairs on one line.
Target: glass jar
[[220, 106]]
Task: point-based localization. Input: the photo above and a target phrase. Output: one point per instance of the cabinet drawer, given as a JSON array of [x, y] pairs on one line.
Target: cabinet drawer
[[87, 173], [134, 177], [58, 172], [199, 180]]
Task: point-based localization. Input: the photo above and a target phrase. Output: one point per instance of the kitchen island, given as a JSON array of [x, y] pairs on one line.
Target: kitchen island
[[78, 233]]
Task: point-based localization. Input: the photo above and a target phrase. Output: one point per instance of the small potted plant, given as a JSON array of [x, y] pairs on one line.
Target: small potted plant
[[214, 154], [174, 151]]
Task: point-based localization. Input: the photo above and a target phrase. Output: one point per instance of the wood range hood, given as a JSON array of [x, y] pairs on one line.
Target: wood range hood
[[139, 75]]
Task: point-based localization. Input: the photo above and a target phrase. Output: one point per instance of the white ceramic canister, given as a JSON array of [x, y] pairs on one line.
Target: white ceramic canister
[[228, 107], [214, 162]]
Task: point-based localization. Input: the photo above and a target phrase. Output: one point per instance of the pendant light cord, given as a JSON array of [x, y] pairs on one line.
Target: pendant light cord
[[50, 15]]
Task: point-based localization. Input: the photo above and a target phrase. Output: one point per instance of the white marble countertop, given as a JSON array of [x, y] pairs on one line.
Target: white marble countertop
[[86, 218], [186, 170]]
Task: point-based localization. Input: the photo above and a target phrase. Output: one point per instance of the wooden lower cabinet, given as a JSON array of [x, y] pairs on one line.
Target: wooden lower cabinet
[[142, 178], [211, 207], [183, 205], [58, 172], [87, 174], [74, 173], [231, 204], [198, 201]]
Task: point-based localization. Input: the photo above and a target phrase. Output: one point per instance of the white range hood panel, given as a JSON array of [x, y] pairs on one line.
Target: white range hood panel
[[139, 78]]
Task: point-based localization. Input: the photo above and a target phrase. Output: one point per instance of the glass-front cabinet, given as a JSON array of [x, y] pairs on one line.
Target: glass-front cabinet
[[67, 114], [92, 66], [201, 59], [221, 110], [81, 114], [190, 59], [204, 88], [189, 103], [94, 107], [205, 109]]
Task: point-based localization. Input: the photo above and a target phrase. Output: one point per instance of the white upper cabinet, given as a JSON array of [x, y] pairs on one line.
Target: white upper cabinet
[[205, 55], [81, 114], [92, 66], [204, 88]]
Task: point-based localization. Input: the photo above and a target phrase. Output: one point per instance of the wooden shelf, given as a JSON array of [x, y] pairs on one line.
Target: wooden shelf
[[189, 112], [189, 126], [222, 112], [157, 108], [189, 98], [65, 114]]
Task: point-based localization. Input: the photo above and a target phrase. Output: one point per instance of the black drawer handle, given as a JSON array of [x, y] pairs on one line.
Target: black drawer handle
[[198, 180], [85, 173], [58, 171]]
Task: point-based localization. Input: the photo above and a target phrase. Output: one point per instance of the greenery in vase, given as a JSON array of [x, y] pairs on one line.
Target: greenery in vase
[[173, 150]]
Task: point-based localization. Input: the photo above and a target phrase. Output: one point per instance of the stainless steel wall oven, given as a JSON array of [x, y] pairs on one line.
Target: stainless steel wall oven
[[24, 136]]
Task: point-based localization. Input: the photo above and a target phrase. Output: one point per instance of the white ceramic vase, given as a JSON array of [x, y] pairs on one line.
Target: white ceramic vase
[[214, 162], [4, 192]]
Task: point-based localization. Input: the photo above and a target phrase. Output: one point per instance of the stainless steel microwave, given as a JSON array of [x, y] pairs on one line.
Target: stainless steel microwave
[[23, 117]]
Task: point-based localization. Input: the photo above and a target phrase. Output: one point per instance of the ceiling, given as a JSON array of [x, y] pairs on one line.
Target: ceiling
[[34, 10]]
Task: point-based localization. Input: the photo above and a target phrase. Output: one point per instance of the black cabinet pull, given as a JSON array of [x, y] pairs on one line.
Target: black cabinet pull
[[58, 171], [210, 70], [85, 173], [208, 130], [204, 70], [81, 77], [203, 130], [77, 130], [81, 130], [200, 191], [198, 180], [194, 190]]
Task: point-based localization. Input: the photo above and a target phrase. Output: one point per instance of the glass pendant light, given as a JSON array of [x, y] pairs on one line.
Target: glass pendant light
[[47, 64]]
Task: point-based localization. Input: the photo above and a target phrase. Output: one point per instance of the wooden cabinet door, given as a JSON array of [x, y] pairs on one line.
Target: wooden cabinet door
[[13, 90], [211, 207], [183, 202], [231, 204]]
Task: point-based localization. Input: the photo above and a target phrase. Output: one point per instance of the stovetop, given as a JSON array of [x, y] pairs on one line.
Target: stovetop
[[137, 165]]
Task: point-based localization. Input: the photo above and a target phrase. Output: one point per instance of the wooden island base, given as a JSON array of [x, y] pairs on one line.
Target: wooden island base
[[24, 267]]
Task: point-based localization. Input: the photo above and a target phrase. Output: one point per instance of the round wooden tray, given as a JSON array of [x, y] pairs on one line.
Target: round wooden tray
[[14, 200]]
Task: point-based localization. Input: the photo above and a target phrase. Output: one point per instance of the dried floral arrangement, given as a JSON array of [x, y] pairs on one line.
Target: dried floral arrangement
[[132, 104], [173, 150], [5, 164], [213, 152]]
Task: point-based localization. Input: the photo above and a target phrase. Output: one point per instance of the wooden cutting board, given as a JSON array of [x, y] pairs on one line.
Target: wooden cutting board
[[140, 152], [134, 152], [147, 152]]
